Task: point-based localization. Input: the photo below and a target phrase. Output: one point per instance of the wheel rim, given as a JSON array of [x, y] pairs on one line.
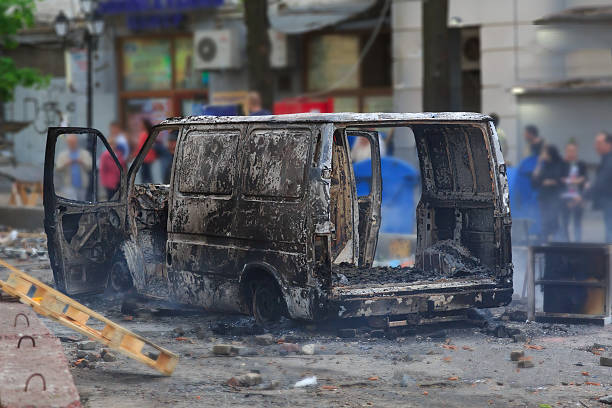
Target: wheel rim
[[120, 279], [266, 305]]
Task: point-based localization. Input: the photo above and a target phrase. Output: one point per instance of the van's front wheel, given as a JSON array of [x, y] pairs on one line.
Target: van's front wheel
[[268, 303], [120, 277]]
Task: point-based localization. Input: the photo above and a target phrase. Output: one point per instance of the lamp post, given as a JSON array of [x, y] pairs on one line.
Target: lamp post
[[93, 30]]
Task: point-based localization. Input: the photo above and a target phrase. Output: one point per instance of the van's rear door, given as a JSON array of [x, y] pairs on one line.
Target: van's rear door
[[84, 223], [369, 204]]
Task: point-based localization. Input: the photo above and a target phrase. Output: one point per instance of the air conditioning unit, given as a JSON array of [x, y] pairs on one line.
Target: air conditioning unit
[[216, 49], [278, 49], [470, 49]]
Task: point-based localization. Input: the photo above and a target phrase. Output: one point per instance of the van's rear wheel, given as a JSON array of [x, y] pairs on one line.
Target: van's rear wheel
[[268, 303]]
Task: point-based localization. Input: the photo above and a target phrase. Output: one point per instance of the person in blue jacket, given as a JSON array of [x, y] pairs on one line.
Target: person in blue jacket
[[524, 197]]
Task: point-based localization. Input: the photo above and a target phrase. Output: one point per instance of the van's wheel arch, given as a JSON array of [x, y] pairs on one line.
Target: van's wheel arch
[[263, 296], [120, 277]]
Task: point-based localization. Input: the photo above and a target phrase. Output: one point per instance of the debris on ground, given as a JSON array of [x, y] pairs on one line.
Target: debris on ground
[[306, 382], [245, 380], [308, 349], [606, 400], [107, 356], [517, 355], [605, 361], [514, 315], [525, 364], [225, 350], [53, 304], [264, 339]]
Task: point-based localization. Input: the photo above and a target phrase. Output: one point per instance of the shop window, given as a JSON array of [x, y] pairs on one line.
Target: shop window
[[208, 162], [275, 163], [185, 76], [334, 70], [147, 64], [330, 57]]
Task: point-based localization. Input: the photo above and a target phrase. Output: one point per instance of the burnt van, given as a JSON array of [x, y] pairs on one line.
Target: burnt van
[[260, 215]]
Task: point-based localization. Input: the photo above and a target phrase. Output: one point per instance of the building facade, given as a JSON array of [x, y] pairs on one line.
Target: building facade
[[533, 67]]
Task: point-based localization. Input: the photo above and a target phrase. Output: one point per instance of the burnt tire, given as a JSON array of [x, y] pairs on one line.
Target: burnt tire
[[120, 279], [268, 303]]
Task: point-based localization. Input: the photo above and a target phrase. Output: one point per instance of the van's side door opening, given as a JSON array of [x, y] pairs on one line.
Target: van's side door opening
[[460, 224]]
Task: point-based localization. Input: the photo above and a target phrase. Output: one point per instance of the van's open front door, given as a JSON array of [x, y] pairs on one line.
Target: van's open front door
[[84, 220]]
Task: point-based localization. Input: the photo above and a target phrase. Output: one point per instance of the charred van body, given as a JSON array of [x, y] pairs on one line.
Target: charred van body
[[262, 216]]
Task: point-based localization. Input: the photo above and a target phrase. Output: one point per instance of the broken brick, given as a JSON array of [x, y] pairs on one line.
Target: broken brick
[[516, 355], [225, 350]]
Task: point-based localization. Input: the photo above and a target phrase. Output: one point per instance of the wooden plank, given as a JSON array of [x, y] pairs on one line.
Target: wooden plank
[[53, 303]]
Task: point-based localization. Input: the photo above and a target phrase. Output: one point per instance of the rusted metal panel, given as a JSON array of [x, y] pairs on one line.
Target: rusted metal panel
[[31, 357]]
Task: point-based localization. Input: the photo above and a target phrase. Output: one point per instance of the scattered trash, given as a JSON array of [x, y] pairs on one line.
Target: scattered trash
[[107, 356], [606, 400], [225, 350], [306, 382], [525, 364], [87, 345], [605, 361], [245, 380], [516, 355], [308, 349], [264, 339]]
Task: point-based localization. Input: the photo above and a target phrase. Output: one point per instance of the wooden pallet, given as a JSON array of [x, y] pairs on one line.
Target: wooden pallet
[[46, 301]]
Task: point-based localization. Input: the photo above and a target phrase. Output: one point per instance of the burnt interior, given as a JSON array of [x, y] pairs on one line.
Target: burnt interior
[[458, 230]]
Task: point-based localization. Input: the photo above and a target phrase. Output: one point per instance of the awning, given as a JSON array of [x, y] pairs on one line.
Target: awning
[[579, 15], [568, 86], [299, 16]]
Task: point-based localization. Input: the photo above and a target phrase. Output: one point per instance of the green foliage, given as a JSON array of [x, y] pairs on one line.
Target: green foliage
[[14, 16], [11, 77]]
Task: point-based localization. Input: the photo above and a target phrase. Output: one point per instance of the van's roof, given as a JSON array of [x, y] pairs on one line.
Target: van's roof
[[365, 119]]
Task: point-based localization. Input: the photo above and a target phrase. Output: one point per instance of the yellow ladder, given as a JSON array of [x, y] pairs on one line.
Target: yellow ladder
[[48, 302]]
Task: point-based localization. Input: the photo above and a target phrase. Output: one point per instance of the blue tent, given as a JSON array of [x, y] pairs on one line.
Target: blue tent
[[398, 180]]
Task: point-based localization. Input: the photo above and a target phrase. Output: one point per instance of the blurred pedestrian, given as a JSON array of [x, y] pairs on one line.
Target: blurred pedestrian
[[118, 134], [145, 131], [547, 178], [110, 174], [534, 140], [601, 189], [574, 177], [74, 167], [524, 196], [255, 106]]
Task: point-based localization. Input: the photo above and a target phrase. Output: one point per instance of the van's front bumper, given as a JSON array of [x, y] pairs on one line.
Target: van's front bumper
[[427, 298]]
